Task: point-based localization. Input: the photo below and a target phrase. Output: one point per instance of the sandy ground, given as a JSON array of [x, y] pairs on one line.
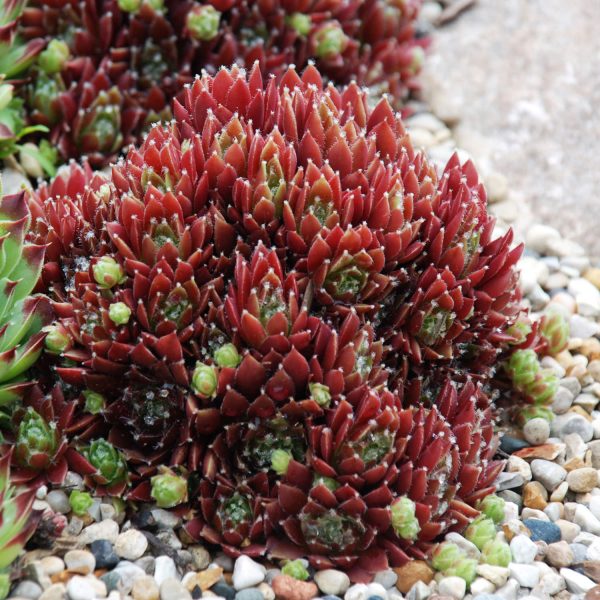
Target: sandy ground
[[524, 77]]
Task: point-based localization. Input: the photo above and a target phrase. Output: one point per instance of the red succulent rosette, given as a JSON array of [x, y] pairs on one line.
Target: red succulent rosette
[[42, 433]]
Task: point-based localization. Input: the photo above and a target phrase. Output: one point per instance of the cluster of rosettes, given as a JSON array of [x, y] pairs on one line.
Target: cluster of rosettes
[[106, 69], [251, 303]]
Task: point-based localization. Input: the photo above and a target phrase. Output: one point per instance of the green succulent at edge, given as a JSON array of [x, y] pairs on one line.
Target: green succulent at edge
[[23, 316], [17, 522]]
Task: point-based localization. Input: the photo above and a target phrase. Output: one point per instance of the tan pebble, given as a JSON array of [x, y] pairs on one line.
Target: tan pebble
[[52, 565], [564, 359], [205, 579], [266, 590], [578, 371], [288, 588], [593, 276], [411, 572], [559, 554], [582, 480], [568, 531], [145, 588], [581, 411], [514, 527], [558, 495], [535, 495], [575, 463], [590, 348], [591, 569]]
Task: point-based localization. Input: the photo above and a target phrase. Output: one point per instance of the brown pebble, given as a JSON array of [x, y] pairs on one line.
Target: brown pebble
[[288, 588], [411, 572], [545, 451], [591, 569], [535, 495], [593, 594]]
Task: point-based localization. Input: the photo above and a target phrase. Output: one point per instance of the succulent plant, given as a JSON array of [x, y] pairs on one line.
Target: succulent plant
[[80, 502], [445, 555], [554, 330], [492, 506], [481, 531], [18, 521], [537, 385], [496, 552], [254, 297], [23, 315]]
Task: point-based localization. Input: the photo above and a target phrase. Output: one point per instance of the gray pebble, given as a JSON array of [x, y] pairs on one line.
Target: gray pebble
[[58, 501], [536, 431], [171, 589], [549, 474], [28, 589]]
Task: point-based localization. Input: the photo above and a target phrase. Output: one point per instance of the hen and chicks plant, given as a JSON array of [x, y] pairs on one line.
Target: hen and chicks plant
[[275, 313], [95, 74]]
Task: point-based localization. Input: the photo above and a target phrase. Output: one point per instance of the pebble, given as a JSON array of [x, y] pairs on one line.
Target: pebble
[[145, 588], [164, 568], [80, 561], [538, 236], [224, 590], [356, 592], [562, 400], [573, 423], [51, 565], [266, 590], [482, 586], [28, 589], [579, 552], [247, 573], [550, 584], [558, 495], [200, 557], [455, 587], [127, 573], [131, 544], [104, 554], [58, 501], [288, 588], [516, 464], [576, 582], [105, 530], [526, 575], [523, 550], [535, 495], [559, 554], [171, 589], [549, 474], [586, 520], [418, 570], [85, 588], [56, 591], [386, 578], [494, 574], [582, 480], [331, 581], [250, 594], [536, 431], [545, 531]]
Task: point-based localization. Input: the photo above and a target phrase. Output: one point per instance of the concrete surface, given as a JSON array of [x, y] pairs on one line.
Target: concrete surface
[[524, 78]]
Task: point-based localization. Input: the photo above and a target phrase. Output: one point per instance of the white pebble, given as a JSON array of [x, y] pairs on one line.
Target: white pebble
[[131, 544], [452, 586], [247, 573]]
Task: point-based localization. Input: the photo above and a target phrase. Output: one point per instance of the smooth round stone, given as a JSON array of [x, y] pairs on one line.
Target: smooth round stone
[[582, 480], [579, 552], [148, 563], [58, 501], [131, 544], [200, 557], [171, 589], [376, 589], [85, 588], [105, 530], [249, 594], [223, 590], [330, 597], [545, 531], [455, 587], [51, 565], [106, 557], [112, 579], [164, 568], [559, 554], [511, 444], [549, 474], [145, 588], [80, 561], [387, 578], [56, 591], [334, 582], [536, 431], [247, 573], [27, 589]]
